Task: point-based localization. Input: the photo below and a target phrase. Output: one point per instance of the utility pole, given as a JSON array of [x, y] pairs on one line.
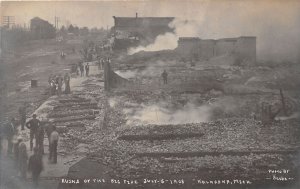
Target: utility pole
[[56, 20], [8, 21]]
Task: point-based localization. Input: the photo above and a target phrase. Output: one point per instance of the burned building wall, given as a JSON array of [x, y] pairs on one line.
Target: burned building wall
[[207, 48], [113, 80], [246, 48], [188, 45], [225, 46], [133, 31], [241, 47]]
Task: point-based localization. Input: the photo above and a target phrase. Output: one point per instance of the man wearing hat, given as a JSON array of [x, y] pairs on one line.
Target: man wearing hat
[[33, 125]]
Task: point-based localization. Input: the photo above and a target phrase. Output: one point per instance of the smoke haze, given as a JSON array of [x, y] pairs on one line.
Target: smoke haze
[[275, 23]]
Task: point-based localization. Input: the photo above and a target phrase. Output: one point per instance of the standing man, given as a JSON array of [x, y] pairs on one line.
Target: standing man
[[40, 137], [9, 131], [59, 81], [33, 125], [87, 69], [23, 157], [81, 67], [22, 113], [35, 166], [53, 145], [67, 83], [165, 76]]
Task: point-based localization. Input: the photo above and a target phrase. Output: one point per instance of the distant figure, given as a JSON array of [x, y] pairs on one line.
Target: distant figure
[[22, 114], [165, 76], [59, 83], [81, 67], [62, 55], [22, 161], [9, 132], [87, 69], [67, 84], [35, 166], [33, 125], [53, 144]]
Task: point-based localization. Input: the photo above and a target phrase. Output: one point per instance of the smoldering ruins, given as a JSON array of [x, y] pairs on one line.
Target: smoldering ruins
[[220, 117]]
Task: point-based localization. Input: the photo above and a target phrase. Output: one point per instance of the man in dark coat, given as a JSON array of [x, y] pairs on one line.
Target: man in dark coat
[[87, 69], [35, 166], [9, 131], [81, 67], [59, 83], [33, 125], [165, 76]]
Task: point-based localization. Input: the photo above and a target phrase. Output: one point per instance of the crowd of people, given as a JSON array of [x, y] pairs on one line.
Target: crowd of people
[[83, 69], [17, 149], [56, 84]]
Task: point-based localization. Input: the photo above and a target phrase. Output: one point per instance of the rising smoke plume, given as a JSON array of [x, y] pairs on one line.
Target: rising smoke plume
[[168, 41], [192, 112]]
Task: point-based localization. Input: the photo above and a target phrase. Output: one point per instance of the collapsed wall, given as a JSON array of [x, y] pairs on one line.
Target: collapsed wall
[[193, 47], [111, 79]]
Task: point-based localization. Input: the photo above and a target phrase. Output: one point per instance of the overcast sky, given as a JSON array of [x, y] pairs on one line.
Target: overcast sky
[[275, 23]]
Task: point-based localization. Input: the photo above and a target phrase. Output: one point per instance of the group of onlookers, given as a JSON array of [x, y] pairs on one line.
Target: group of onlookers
[[56, 84], [17, 148], [83, 68]]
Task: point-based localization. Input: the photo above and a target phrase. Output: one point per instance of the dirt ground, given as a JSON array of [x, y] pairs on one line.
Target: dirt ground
[[37, 61]]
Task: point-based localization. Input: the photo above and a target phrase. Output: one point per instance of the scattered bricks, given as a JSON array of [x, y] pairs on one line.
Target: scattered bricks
[[95, 112], [61, 129], [213, 153]]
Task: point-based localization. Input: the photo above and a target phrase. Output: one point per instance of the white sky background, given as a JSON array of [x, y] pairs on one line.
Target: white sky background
[[276, 23]]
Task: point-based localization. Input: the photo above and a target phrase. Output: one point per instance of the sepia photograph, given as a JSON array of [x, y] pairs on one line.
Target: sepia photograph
[[150, 94]]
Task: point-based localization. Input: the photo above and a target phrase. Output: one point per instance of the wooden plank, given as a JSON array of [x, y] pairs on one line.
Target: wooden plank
[[73, 100], [82, 107], [159, 136], [66, 114], [67, 119]]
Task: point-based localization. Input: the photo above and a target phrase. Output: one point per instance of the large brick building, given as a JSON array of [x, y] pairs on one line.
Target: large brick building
[[133, 31], [243, 47]]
